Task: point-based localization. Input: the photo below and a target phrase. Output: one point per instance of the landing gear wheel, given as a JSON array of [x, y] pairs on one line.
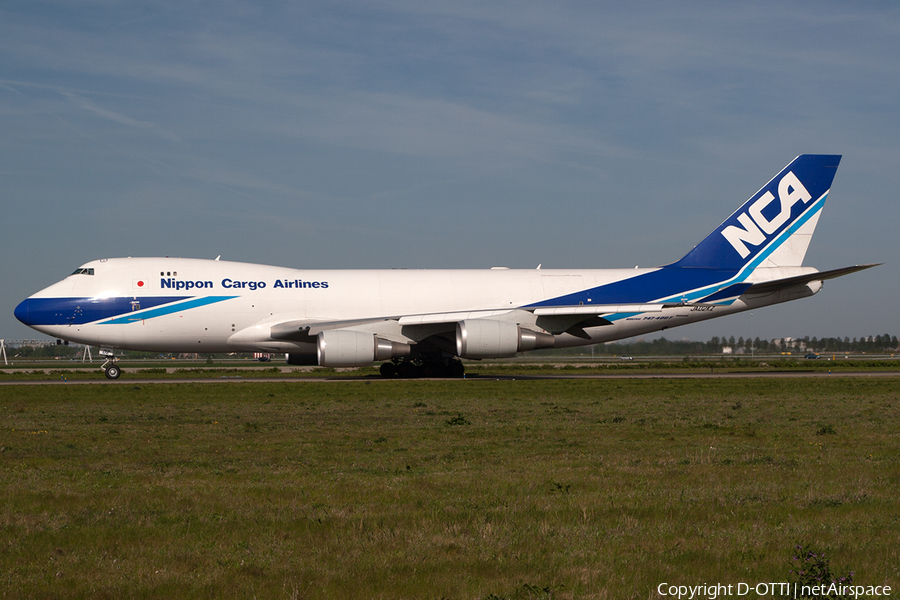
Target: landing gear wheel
[[407, 370], [456, 368], [430, 369], [388, 370], [112, 372]]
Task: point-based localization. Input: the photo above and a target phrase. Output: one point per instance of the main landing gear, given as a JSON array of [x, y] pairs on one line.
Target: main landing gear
[[110, 368], [431, 367]]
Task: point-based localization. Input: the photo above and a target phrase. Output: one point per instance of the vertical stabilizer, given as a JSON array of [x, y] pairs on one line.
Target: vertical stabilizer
[[774, 227]]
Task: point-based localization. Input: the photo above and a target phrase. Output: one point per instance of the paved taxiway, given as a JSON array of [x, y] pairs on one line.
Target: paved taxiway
[[125, 380]]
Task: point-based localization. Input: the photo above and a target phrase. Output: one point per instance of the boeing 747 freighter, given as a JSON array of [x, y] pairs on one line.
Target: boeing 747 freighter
[[421, 322]]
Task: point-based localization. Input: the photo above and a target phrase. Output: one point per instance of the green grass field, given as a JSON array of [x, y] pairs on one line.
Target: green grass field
[[443, 489]]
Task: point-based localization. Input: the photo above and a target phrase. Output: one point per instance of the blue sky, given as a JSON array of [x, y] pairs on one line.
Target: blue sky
[[445, 135]]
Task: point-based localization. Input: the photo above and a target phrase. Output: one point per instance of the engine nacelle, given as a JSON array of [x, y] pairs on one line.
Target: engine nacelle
[[483, 338], [342, 348]]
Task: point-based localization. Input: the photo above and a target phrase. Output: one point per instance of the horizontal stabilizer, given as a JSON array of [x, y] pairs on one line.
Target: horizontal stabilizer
[[767, 287]]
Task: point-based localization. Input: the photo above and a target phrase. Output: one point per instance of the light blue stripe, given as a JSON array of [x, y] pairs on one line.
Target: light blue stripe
[[168, 309], [792, 228]]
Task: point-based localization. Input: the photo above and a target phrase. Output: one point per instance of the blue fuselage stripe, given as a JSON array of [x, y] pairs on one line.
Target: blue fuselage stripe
[[168, 309], [111, 311], [78, 311]]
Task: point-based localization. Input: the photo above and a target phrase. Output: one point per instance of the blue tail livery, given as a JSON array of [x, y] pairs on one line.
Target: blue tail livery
[[780, 216]]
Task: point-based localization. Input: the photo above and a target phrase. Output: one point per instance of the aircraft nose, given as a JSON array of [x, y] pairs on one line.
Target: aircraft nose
[[22, 312]]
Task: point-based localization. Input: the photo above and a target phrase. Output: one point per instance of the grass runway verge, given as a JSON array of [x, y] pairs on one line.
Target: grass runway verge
[[443, 489]]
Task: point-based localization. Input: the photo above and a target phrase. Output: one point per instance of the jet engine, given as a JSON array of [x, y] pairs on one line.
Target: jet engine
[[342, 348], [483, 338]]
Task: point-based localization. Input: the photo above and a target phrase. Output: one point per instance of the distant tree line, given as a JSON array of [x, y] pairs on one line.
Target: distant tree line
[[878, 344], [73, 352], [45, 351]]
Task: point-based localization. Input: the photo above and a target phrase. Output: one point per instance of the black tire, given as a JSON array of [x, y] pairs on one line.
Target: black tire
[[113, 372], [456, 368], [407, 370], [388, 370]]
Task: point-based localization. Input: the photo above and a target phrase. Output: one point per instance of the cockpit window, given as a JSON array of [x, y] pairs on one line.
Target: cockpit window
[[83, 271]]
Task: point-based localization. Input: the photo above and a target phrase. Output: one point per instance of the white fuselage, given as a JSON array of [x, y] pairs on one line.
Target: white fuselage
[[243, 299]]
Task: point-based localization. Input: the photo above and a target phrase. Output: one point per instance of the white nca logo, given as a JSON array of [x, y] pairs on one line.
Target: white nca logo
[[790, 192]]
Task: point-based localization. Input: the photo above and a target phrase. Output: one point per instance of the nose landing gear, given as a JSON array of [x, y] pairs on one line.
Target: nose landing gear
[[109, 366]]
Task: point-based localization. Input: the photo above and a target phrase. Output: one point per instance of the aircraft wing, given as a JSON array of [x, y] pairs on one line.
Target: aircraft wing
[[598, 309], [557, 319], [306, 330]]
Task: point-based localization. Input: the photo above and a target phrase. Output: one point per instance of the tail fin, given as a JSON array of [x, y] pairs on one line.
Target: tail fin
[[773, 228]]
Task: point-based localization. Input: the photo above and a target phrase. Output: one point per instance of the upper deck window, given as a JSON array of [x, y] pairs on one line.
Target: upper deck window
[[83, 271]]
